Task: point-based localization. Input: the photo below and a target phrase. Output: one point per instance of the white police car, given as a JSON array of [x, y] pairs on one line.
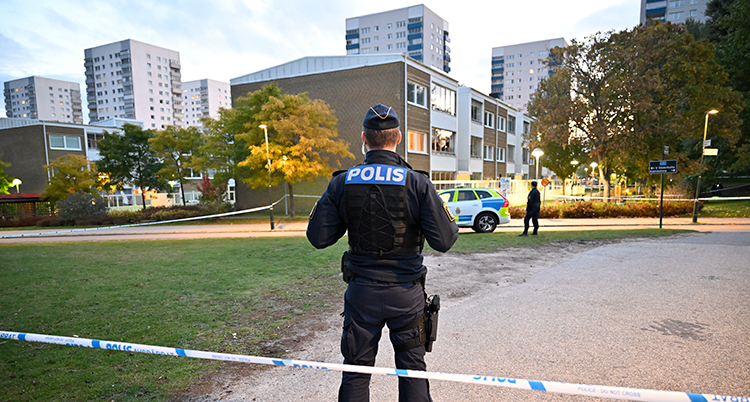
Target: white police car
[[481, 209]]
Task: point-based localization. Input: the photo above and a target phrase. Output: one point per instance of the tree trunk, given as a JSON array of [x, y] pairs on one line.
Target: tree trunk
[[291, 199], [182, 193], [143, 198], [604, 178]]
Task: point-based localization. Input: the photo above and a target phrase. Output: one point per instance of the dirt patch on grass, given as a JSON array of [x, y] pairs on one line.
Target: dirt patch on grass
[[316, 337]]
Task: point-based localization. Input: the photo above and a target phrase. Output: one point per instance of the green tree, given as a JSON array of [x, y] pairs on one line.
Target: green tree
[[71, 174], [559, 157], [624, 95], [729, 30], [175, 146], [301, 137], [5, 180], [129, 160]]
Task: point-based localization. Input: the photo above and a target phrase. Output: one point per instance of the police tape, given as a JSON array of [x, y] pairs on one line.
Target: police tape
[[631, 198], [631, 394], [192, 218]]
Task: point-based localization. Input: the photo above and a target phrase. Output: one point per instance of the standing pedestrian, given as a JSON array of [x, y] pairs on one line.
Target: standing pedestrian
[[533, 205], [388, 210]]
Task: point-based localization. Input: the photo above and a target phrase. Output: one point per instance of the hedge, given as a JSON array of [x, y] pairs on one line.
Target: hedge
[[608, 210]]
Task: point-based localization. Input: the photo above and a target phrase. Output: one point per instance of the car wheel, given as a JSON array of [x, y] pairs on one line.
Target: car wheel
[[485, 223]]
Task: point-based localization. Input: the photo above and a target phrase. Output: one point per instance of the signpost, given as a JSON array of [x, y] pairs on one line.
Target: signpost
[[662, 167], [545, 183]]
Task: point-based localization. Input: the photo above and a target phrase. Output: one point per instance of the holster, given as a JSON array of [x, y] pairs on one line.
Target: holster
[[427, 324], [346, 274]]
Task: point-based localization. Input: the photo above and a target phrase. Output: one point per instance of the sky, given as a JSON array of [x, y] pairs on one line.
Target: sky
[[225, 39]]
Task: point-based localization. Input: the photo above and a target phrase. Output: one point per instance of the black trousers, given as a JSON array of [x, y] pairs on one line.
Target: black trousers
[[534, 217], [368, 306]]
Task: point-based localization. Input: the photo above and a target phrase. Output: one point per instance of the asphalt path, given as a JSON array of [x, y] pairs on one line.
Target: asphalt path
[[284, 228]]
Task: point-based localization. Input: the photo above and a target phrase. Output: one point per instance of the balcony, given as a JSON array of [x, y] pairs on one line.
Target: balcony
[[414, 47], [352, 46], [352, 36], [498, 70], [414, 36], [447, 57], [175, 64], [414, 25], [177, 89]]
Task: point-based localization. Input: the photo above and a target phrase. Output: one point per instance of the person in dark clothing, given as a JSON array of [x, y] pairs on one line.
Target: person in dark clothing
[[533, 204], [388, 210]]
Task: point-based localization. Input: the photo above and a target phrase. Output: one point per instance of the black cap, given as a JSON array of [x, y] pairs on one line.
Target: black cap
[[380, 117]]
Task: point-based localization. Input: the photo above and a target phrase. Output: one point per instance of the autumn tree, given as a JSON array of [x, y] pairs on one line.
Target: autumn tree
[[128, 159], [301, 137], [175, 146], [559, 157], [71, 174], [5, 180]]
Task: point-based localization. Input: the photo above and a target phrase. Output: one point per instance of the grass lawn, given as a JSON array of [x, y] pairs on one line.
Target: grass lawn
[[726, 209], [227, 295]]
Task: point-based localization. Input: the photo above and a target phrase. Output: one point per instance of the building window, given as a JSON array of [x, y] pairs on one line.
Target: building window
[[64, 142], [676, 16], [476, 148], [365, 41], [525, 156], [443, 99], [489, 152], [400, 35], [693, 13], [400, 24], [416, 94], [501, 123], [443, 141], [401, 45], [489, 119], [365, 30], [500, 154], [476, 108], [416, 141], [676, 3], [511, 154], [511, 125]]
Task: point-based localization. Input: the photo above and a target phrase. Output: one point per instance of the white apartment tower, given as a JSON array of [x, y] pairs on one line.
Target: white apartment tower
[[203, 98], [134, 80], [416, 31], [674, 11], [518, 69], [45, 99]]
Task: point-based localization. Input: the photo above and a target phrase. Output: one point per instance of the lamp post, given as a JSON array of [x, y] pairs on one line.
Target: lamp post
[[268, 157], [573, 180], [16, 182], [700, 166], [593, 170], [537, 153]]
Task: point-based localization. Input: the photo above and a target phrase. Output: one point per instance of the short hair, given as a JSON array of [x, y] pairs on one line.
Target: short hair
[[533, 184], [380, 139]]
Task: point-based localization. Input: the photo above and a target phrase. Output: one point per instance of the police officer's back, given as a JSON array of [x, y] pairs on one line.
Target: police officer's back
[[388, 210]]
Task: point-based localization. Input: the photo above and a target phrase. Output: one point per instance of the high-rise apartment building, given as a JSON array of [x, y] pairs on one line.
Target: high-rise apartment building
[[203, 98], [518, 69], [134, 80], [43, 99], [416, 31], [674, 11]]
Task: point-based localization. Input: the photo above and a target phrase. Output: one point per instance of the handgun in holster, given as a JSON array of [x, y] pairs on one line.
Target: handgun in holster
[[432, 307]]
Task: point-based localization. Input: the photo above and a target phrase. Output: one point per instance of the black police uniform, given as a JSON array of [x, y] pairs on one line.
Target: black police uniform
[[389, 210], [533, 206]]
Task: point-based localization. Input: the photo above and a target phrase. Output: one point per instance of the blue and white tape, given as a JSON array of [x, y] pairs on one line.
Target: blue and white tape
[[631, 394], [636, 198], [193, 218]]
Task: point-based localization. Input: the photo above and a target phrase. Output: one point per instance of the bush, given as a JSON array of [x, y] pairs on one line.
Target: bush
[[173, 214], [80, 205], [215, 207], [121, 217], [578, 210], [26, 221]]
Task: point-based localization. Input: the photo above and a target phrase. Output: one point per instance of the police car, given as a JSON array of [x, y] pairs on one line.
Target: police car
[[481, 209]]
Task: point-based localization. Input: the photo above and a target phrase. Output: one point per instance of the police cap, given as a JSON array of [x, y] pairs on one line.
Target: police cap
[[380, 117]]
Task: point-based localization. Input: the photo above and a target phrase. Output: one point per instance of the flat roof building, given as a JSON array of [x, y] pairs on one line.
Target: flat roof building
[[517, 70], [203, 98], [674, 11], [134, 80], [416, 31], [449, 131], [42, 98]]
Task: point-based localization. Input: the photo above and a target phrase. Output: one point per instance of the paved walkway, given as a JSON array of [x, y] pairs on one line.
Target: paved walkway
[[282, 228]]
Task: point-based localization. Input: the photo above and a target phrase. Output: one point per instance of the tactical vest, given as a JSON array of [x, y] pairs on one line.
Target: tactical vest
[[379, 223]]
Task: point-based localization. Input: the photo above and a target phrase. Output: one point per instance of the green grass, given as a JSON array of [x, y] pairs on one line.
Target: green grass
[[726, 209], [226, 295]]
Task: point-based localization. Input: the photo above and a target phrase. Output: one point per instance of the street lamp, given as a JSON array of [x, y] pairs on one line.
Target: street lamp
[[537, 153], [700, 167], [573, 180], [593, 170], [16, 182], [268, 157]]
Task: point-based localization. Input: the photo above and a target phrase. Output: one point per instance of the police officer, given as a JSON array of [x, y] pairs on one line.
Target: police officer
[[533, 205], [388, 210]]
